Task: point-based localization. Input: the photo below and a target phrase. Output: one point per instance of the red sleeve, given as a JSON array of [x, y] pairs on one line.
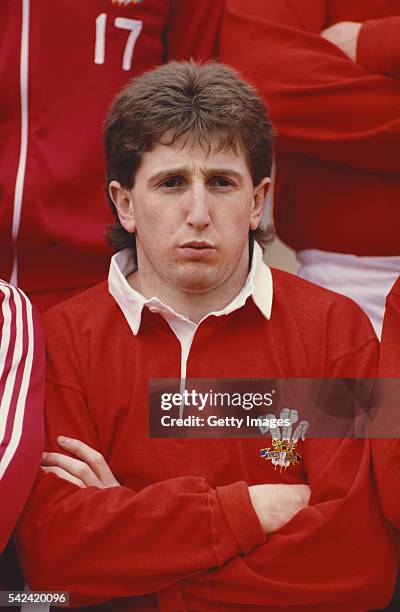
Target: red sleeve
[[378, 47], [99, 544], [338, 552], [21, 407], [323, 104], [194, 29]]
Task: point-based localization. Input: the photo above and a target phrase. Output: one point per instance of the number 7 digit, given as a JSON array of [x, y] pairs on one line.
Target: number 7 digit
[[135, 28]]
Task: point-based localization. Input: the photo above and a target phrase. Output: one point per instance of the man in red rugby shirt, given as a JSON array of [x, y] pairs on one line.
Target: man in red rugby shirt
[[179, 524]]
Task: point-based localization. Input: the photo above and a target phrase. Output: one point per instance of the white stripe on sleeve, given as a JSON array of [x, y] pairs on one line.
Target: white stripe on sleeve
[[22, 305]]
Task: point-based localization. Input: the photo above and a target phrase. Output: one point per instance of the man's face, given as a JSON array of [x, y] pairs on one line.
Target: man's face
[[191, 211]]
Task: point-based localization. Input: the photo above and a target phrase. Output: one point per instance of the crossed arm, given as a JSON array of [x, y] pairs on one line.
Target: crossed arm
[[374, 44], [274, 504], [333, 530], [82, 532], [305, 79]]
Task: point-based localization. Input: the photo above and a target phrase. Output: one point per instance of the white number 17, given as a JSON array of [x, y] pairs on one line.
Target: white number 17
[[132, 25]]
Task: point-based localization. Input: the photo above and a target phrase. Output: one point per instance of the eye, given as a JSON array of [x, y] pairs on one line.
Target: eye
[[220, 182], [173, 182]]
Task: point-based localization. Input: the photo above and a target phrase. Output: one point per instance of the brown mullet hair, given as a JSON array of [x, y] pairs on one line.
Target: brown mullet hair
[[206, 104]]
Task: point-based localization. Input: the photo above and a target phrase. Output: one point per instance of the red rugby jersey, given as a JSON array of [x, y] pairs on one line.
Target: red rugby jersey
[[181, 530]]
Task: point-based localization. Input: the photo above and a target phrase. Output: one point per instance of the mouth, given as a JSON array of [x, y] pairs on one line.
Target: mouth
[[195, 244], [196, 249]]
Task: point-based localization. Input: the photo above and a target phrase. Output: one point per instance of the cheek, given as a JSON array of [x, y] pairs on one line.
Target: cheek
[[235, 221], [162, 212], [156, 227]]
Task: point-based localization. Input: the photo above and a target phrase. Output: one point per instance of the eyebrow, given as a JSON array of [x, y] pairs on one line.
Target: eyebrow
[[179, 170]]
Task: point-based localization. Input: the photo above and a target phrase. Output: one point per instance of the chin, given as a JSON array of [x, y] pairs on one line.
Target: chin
[[196, 283]]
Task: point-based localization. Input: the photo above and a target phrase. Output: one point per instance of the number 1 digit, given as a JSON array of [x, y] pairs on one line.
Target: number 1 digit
[[100, 45]]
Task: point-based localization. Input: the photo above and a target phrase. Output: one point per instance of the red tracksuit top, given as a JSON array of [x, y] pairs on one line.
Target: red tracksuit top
[[182, 526], [76, 55], [338, 122], [386, 452], [21, 402]]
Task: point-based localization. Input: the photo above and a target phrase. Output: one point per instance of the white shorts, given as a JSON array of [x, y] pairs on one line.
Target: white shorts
[[366, 280]]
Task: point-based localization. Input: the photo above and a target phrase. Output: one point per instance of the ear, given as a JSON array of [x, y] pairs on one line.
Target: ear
[[122, 199], [259, 197]]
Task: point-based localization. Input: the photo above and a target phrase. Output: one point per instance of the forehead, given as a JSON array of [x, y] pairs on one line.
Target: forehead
[[192, 157]]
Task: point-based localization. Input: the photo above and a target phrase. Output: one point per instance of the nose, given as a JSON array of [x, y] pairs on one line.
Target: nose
[[198, 207]]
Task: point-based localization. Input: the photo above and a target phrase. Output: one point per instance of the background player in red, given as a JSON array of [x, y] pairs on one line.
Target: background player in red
[[61, 63], [385, 422], [386, 451], [21, 411], [181, 524], [333, 90]]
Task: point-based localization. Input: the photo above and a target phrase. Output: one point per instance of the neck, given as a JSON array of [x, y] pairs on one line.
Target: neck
[[193, 305]]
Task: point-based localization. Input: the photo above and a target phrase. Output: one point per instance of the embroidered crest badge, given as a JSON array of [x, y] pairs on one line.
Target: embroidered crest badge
[[125, 2], [283, 453]]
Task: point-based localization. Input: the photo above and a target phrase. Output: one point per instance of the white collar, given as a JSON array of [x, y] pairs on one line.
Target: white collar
[[258, 285]]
